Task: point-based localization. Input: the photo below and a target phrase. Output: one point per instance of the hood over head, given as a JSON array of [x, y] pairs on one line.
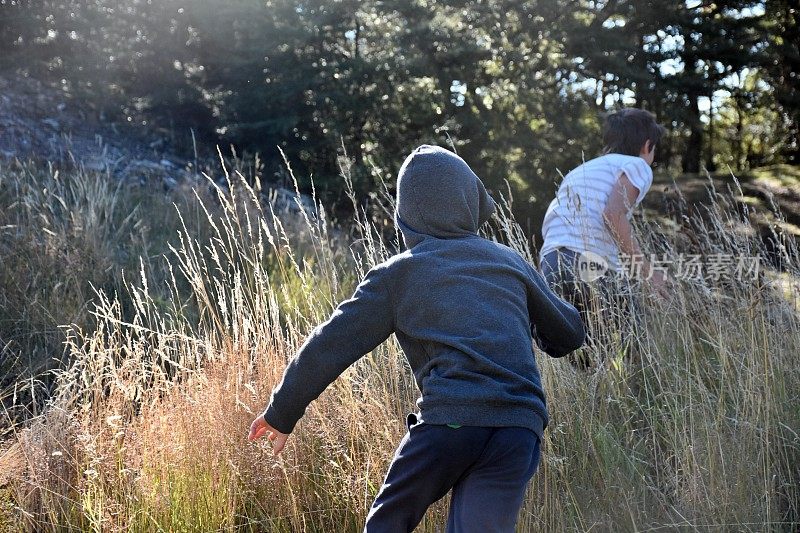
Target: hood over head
[[438, 195]]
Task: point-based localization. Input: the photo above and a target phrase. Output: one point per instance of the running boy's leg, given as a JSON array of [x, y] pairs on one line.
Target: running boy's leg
[[489, 496], [428, 462], [624, 298]]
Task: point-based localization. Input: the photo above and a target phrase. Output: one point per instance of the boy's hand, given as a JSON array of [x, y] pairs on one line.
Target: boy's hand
[[259, 428]]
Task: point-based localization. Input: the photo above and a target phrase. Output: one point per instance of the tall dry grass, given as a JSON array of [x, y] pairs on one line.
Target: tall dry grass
[[692, 425], [63, 238]]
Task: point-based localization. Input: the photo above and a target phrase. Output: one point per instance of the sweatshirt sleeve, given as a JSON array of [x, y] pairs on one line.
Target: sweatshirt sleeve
[[556, 325], [355, 328]]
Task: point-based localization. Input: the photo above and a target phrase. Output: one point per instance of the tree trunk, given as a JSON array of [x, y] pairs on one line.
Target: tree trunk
[[694, 146], [711, 166], [360, 120], [793, 154], [739, 147]]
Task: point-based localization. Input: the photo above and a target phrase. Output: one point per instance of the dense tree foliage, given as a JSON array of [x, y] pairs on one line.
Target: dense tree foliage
[[517, 87]]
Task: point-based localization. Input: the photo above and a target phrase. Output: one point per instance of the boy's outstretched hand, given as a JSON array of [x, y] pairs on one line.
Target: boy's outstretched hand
[[259, 428]]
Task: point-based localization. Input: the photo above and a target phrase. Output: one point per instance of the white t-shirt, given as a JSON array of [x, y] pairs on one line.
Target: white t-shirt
[[574, 218]]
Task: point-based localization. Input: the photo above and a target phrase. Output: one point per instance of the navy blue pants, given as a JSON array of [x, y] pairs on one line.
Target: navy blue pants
[[487, 468]]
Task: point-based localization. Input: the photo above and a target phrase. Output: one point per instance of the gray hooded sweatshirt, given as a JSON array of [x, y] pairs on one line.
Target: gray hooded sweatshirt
[[465, 310]]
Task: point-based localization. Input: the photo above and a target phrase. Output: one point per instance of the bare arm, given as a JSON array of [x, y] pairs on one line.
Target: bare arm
[[622, 197]]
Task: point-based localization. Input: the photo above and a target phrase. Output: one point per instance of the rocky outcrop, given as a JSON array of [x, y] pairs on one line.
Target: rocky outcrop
[[39, 122]]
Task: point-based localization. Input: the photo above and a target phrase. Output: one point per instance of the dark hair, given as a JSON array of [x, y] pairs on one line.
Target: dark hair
[[626, 131]]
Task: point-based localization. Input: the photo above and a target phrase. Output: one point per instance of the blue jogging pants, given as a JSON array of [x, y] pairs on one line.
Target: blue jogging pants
[[487, 468]]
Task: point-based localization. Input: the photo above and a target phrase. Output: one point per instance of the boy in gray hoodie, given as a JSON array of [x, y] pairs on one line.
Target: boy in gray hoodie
[[466, 311]]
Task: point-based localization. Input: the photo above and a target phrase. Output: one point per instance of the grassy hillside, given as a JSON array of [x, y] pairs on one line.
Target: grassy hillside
[[768, 196], [184, 317]]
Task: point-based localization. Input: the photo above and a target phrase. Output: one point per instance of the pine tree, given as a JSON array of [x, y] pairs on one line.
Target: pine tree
[[782, 67]]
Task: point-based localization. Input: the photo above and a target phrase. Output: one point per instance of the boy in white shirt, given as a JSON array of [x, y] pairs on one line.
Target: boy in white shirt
[[587, 226]]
